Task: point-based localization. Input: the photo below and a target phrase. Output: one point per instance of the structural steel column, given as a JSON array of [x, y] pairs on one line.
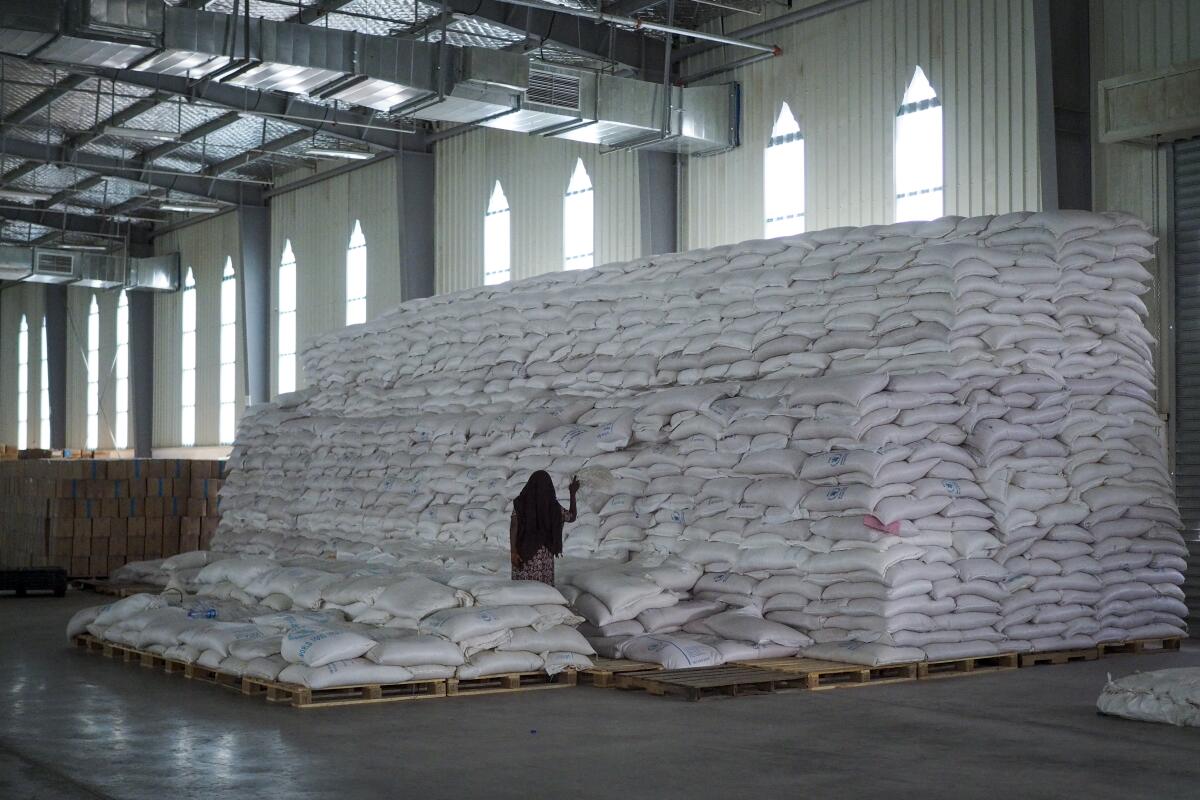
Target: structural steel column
[[415, 201], [658, 199], [254, 248], [141, 371], [56, 363]]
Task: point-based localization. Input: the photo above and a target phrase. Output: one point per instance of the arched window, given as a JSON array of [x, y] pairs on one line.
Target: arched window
[[93, 375], [226, 422], [356, 277], [579, 220], [23, 384], [44, 422], [121, 434], [783, 177], [497, 247], [287, 320], [918, 153], [187, 394]]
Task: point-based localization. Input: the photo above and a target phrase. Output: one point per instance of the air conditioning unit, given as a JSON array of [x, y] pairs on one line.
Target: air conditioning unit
[[556, 98], [54, 266]]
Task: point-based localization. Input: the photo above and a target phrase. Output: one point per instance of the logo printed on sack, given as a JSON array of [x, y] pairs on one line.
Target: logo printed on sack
[[951, 487], [837, 459], [836, 493]]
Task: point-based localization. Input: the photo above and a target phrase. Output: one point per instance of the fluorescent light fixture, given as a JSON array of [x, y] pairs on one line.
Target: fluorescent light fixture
[[353, 155], [93, 247], [190, 208], [22, 194], [141, 133]]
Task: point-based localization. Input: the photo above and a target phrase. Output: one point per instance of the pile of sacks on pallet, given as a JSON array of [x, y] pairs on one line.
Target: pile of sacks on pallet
[[894, 443], [324, 626]]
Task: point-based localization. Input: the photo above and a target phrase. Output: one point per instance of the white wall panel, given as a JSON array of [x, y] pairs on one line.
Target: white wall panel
[[78, 303], [15, 300], [204, 247], [1129, 36], [534, 172], [318, 220], [843, 75]]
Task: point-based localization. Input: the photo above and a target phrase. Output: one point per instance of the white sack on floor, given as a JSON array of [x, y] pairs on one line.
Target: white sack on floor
[[1166, 695]]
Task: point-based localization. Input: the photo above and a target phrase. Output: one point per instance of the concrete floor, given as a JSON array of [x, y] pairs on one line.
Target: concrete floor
[[80, 726]]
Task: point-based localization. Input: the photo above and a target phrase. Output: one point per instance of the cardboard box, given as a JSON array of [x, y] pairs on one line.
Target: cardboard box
[[136, 527], [110, 507], [117, 545], [197, 507], [154, 507], [135, 548], [60, 546], [101, 527], [80, 567]]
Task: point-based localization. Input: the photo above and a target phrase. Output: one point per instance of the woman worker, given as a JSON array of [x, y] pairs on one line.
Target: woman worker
[[535, 533]]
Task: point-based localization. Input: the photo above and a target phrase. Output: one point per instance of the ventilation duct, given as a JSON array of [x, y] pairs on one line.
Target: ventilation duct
[[89, 270], [155, 273], [429, 81], [16, 263], [98, 271]]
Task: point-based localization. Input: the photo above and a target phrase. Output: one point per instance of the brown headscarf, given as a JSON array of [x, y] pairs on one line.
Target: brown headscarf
[[539, 517]]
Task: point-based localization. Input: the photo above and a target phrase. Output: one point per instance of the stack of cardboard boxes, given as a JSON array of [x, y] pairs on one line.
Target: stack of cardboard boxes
[[92, 516]]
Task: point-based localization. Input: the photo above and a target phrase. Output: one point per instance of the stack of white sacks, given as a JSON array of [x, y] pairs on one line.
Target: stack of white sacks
[[326, 624], [884, 444]]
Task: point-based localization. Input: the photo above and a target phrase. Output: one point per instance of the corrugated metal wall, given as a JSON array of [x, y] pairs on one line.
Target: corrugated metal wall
[[318, 220], [204, 247], [27, 299], [1130, 36], [843, 75], [534, 172]]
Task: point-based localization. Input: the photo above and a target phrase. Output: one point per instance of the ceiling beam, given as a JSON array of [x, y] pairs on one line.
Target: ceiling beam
[[90, 224], [627, 8], [315, 12], [568, 32], [351, 126], [80, 186], [16, 173], [133, 170], [31, 109], [242, 159], [93, 133], [572, 33], [126, 206], [187, 137]]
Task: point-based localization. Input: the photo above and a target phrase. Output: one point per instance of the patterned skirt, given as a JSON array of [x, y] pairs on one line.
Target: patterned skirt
[[538, 568]]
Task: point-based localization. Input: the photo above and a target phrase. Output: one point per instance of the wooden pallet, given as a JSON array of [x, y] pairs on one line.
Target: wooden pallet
[[88, 643], [511, 682], [819, 674], [199, 672], [977, 665], [304, 697], [1059, 656], [728, 680], [1167, 645], [115, 589], [607, 673]]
